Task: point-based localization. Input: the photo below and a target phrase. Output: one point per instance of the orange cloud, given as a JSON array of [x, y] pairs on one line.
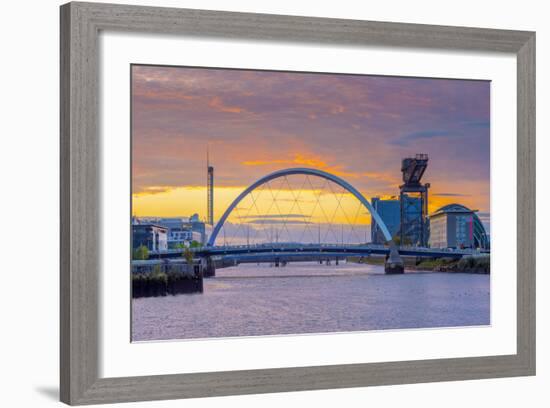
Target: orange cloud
[[298, 159], [217, 103], [265, 162], [316, 162], [309, 161], [337, 109], [388, 178], [150, 190]]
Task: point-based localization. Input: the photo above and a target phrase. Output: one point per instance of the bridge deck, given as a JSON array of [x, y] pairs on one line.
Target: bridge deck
[[277, 249]]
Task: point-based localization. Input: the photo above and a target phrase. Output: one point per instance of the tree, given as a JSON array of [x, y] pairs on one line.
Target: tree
[[141, 253], [406, 242], [195, 244], [188, 255]]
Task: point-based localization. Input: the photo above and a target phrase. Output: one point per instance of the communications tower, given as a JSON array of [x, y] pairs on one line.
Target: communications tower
[[210, 189]]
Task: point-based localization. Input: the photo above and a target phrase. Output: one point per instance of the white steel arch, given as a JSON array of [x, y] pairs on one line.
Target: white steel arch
[[304, 171]]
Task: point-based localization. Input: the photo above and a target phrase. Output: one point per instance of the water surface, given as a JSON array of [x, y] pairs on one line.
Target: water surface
[[255, 300]]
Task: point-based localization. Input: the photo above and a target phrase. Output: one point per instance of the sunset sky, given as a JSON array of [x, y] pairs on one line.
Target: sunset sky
[[355, 126]]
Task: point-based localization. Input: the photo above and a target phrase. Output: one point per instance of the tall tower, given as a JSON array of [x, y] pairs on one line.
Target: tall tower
[[413, 200], [210, 189]]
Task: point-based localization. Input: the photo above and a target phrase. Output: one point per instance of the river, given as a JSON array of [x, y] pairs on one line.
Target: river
[[255, 300]]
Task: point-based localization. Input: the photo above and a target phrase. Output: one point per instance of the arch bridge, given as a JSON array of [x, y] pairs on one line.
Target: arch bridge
[[394, 263]]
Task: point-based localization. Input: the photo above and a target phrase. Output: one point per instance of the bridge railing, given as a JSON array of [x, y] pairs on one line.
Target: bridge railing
[[289, 245], [313, 246]]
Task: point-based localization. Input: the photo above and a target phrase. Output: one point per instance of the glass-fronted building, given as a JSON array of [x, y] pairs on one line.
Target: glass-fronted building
[[154, 237], [390, 212], [456, 226], [183, 231]]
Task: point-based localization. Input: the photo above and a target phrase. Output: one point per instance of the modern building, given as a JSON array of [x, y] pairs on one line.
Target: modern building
[[456, 226], [183, 231], [198, 227], [154, 237], [390, 212], [177, 239]]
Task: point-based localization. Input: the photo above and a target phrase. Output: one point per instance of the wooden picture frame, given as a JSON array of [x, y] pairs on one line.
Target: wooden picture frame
[[80, 234]]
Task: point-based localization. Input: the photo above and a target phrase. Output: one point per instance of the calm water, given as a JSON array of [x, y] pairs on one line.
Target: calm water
[[252, 300]]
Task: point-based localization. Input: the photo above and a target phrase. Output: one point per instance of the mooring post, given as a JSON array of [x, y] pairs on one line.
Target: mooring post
[[210, 269], [394, 264]]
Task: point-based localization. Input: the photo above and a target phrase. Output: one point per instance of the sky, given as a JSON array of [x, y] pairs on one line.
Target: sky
[[357, 127]]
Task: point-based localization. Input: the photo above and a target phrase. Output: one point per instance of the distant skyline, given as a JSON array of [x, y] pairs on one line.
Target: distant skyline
[[357, 127]]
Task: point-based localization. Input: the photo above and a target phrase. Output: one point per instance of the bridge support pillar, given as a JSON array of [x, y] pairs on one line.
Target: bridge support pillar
[[394, 264], [209, 267]]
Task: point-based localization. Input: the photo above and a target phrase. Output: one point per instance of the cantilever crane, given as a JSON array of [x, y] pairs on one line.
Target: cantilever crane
[[413, 169], [414, 201]]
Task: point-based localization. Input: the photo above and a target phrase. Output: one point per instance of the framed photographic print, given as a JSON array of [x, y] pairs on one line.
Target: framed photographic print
[[259, 203]]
